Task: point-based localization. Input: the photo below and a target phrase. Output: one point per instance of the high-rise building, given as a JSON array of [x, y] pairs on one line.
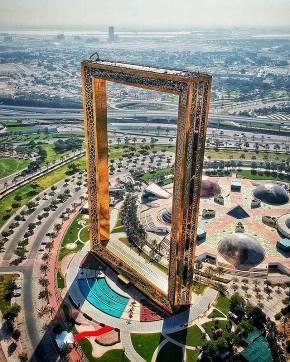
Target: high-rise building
[[111, 33], [193, 90]]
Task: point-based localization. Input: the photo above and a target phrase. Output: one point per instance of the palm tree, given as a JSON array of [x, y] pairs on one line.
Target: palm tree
[[284, 321], [44, 282], [209, 272], [44, 294], [45, 257], [43, 268], [219, 270]]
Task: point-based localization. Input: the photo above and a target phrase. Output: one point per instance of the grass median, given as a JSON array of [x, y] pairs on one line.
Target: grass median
[[20, 197]]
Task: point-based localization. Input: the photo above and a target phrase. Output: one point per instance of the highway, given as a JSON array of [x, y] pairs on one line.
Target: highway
[[22, 113]]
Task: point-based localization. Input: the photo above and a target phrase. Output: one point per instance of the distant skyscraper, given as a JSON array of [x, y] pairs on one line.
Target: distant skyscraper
[[111, 33]]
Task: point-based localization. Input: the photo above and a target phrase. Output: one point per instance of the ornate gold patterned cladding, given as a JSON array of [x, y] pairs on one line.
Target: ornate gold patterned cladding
[[193, 90]]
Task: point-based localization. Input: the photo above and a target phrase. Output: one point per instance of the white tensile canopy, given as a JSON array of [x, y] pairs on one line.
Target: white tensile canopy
[[63, 338], [157, 191]]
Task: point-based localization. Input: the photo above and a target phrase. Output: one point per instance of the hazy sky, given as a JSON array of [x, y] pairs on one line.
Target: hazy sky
[[148, 13]]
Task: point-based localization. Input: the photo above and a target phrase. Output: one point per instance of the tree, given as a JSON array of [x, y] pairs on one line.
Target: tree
[[44, 294], [256, 315], [10, 285], [238, 305], [245, 326], [273, 337], [44, 282], [16, 334], [45, 256], [11, 312], [23, 356], [43, 268], [209, 351], [20, 253]]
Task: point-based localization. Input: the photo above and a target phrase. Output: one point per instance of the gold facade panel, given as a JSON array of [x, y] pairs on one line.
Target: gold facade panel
[[193, 90]]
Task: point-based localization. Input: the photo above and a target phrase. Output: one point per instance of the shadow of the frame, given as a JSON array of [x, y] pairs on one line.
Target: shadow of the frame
[[69, 314]]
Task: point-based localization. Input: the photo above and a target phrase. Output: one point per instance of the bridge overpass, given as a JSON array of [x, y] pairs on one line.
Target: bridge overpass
[[56, 114]]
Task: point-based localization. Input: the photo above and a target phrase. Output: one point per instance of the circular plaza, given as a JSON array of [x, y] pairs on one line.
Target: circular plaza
[[242, 218]]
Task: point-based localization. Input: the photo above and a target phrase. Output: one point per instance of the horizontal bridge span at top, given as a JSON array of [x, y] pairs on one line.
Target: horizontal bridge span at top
[[164, 80]]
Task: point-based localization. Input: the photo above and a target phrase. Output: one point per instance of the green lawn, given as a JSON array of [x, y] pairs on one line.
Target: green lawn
[[13, 128], [70, 237], [191, 336], [260, 156], [114, 355], [149, 176], [9, 165], [146, 343], [52, 154], [210, 326], [198, 288], [64, 251], [216, 314], [85, 234], [259, 175], [223, 304], [5, 278], [170, 352], [118, 229], [72, 234], [43, 183], [60, 281], [191, 356], [6, 209]]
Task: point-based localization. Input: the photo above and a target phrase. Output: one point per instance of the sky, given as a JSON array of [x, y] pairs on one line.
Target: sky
[[136, 14]]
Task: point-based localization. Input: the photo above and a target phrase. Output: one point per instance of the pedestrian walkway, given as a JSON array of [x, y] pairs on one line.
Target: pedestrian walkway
[[171, 324]]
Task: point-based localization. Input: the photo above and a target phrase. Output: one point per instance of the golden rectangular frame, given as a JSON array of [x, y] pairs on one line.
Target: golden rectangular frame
[[193, 90]]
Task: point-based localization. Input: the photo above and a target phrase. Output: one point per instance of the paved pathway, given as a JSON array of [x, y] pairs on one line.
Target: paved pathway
[[130, 352], [171, 324]]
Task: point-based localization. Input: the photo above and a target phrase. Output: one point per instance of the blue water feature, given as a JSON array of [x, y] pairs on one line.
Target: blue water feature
[[102, 296]]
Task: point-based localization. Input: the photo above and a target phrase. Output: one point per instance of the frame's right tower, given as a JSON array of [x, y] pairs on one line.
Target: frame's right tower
[[190, 144]]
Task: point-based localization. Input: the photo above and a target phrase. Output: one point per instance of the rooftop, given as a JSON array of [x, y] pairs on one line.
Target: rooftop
[[157, 191], [258, 351]]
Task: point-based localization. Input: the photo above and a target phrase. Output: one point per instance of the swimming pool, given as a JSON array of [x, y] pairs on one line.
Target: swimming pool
[[102, 296]]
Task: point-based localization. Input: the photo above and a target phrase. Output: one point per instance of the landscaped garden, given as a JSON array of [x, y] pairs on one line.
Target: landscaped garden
[[223, 304], [192, 336], [114, 355], [146, 343], [264, 175], [8, 205], [71, 243], [211, 326], [9, 165], [7, 286]]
